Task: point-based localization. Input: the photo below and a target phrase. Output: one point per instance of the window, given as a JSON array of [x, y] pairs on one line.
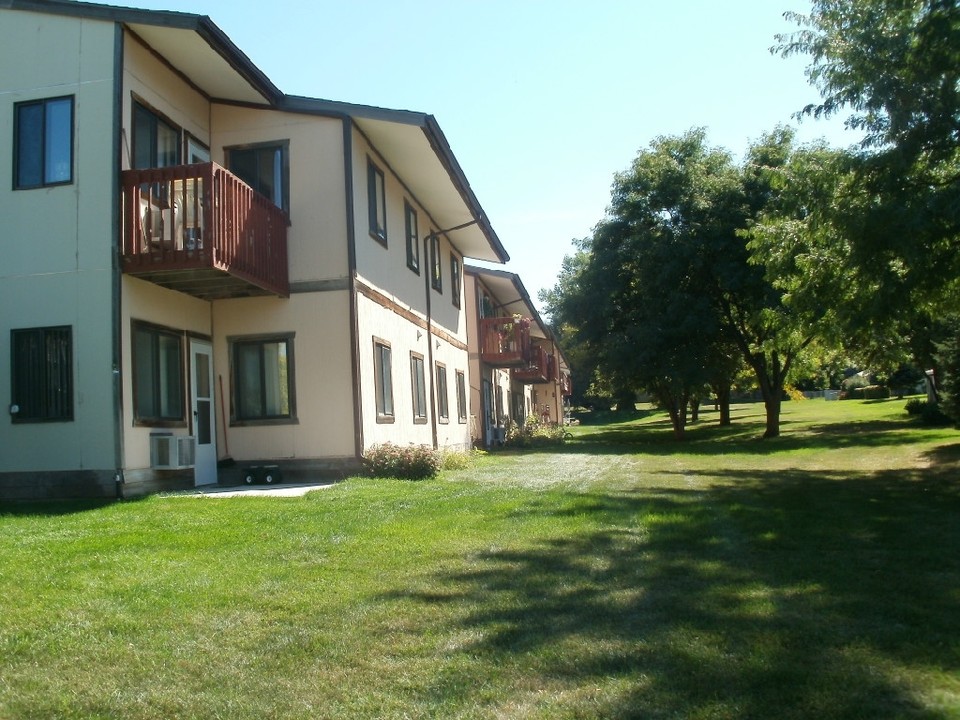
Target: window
[[383, 380], [443, 408], [42, 374], [158, 385], [377, 202], [263, 379], [264, 167], [436, 277], [455, 279], [43, 145], [461, 396], [156, 143], [419, 388], [413, 238]]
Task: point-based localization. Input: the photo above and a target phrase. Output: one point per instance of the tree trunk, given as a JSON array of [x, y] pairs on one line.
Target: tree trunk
[[723, 403], [770, 376], [677, 407], [772, 405], [695, 410]]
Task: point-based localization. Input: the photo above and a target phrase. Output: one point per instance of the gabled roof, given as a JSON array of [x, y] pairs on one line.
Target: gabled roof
[[510, 293], [411, 142]]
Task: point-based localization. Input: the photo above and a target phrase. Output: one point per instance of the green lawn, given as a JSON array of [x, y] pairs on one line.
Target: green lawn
[[626, 576]]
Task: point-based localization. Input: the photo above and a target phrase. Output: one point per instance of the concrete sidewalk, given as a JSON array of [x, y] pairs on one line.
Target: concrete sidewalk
[[280, 490]]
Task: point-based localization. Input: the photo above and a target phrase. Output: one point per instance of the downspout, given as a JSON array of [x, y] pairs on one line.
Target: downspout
[[427, 276], [352, 288], [115, 268]]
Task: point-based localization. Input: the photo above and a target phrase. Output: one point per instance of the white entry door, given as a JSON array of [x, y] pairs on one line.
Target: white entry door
[[204, 417]]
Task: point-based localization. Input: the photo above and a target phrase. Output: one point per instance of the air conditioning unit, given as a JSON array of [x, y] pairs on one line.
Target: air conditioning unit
[[172, 452]]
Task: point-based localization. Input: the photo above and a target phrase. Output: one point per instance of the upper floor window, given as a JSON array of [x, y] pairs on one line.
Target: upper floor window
[[156, 142], [158, 375], [263, 378], [377, 202], [43, 143], [265, 168], [455, 279], [436, 273], [42, 377], [413, 238]]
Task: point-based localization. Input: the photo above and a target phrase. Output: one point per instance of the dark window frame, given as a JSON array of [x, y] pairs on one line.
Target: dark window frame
[[456, 280], [41, 374], [231, 152], [155, 333], [376, 202], [443, 396], [44, 142], [461, 379], [384, 414], [158, 119], [238, 342], [411, 227], [436, 264], [418, 387]]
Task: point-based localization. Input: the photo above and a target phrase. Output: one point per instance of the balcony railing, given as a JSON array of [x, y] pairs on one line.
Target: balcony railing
[[540, 368], [566, 385], [201, 230], [505, 341]]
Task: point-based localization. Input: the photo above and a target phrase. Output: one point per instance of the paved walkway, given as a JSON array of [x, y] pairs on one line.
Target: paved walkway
[[280, 490]]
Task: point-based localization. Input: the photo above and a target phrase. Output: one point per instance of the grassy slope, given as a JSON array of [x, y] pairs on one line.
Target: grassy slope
[[816, 575]]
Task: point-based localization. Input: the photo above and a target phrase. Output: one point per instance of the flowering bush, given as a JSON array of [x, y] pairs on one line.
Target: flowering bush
[[535, 433], [410, 462]]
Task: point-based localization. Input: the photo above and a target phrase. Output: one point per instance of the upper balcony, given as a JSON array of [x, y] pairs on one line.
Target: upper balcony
[[201, 230], [566, 385], [542, 367], [505, 341]]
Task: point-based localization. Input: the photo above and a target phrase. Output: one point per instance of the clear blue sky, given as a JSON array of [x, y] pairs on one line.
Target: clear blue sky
[[542, 101]]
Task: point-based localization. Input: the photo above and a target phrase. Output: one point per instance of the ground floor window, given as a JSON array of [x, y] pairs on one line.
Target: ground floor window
[[158, 375], [263, 381], [383, 379], [419, 388], [461, 396], [42, 374], [443, 405]]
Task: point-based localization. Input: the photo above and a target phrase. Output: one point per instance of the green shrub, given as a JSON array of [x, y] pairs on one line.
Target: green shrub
[[915, 406], [929, 413], [454, 460], [932, 414], [868, 392], [410, 462], [535, 433]]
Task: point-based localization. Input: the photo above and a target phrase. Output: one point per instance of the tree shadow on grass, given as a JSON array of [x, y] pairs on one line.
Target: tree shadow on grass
[[654, 438], [795, 596]]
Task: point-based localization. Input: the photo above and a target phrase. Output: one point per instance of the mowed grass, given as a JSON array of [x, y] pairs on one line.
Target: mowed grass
[[626, 576]]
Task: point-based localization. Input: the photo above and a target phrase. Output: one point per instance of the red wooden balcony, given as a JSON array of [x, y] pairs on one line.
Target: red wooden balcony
[[538, 370], [505, 341], [201, 230], [566, 385]]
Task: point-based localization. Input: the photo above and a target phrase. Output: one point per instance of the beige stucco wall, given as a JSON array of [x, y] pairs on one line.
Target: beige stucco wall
[[146, 302], [385, 268], [322, 374], [317, 236], [55, 242], [406, 337], [159, 88]]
